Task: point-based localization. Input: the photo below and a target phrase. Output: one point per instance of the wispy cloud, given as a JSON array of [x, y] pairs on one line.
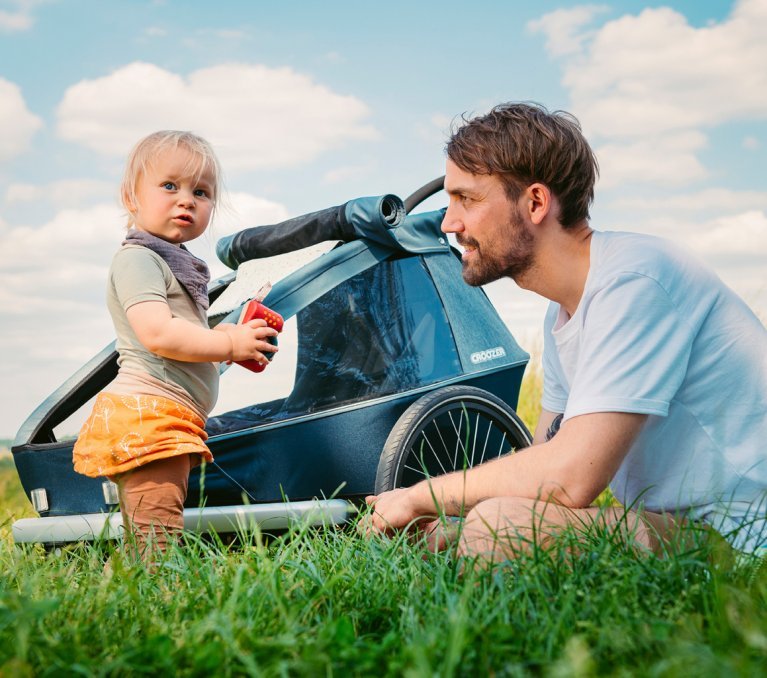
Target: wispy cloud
[[565, 29], [254, 115], [654, 76], [19, 17], [60, 194], [707, 201], [17, 122], [340, 174]]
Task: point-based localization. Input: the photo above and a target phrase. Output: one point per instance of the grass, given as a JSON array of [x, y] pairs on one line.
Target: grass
[[329, 602]]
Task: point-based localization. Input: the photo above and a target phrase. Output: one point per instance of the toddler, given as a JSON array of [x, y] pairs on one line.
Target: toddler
[[146, 430]]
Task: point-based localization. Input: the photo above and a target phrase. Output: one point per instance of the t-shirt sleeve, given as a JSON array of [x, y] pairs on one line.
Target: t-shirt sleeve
[[138, 275], [634, 352], [554, 397]]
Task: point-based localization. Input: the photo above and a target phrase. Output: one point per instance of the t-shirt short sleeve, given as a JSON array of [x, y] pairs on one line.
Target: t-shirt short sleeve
[[634, 352], [138, 275], [554, 397]]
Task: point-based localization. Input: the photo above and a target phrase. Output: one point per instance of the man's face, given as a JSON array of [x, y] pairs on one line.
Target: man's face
[[496, 240]]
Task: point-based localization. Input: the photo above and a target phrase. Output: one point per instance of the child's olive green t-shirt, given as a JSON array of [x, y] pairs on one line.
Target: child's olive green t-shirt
[[138, 274]]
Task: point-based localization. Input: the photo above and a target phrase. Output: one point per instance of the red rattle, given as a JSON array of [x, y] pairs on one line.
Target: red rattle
[[255, 310]]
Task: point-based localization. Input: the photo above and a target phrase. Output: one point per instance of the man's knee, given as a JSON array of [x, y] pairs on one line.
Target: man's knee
[[497, 525]]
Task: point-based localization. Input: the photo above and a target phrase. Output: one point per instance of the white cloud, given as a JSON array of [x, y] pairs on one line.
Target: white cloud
[[651, 76], [16, 121], [563, 28], [751, 143], [60, 261], [155, 32], [711, 200], [436, 129], [654, 73], [341, 174], [639, 161], [19, 19], [60, 194], [242, 210], [230, 34], [246, 210], [741, 235], [255, 116], [15, 21]]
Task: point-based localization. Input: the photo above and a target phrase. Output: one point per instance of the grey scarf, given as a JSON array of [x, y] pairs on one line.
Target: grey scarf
[[190, 271]]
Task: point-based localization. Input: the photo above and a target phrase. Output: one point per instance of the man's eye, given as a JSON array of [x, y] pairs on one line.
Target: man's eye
[[169, 186]]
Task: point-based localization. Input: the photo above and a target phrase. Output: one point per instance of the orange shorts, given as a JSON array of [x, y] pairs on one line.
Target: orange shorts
[[127, 431]]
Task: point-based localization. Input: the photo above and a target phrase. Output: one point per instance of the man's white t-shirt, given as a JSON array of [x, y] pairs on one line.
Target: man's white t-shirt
[[656, 332]]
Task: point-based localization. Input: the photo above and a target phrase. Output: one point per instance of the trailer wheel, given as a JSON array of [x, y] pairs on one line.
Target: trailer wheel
[[452, 428]]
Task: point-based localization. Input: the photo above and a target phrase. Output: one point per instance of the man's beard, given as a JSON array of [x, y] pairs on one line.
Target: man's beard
[[487, 266]]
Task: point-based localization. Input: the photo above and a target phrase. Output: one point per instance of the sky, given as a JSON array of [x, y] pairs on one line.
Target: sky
[[309, 104]]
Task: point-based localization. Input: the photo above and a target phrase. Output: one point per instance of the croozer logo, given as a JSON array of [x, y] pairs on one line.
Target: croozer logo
[[488, 354]]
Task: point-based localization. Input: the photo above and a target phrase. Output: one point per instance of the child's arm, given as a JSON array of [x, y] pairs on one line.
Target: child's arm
[[178, 339]]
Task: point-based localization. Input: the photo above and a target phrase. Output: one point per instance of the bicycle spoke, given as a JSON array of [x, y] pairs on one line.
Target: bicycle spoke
[[442, 440], [433, 451], [474, 444], [448, 444], [487, 440], [500, 449], [417, 470], [459, 441]]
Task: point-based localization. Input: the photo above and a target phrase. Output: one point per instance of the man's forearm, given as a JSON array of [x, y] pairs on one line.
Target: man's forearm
[[531, 473], [571, 469]]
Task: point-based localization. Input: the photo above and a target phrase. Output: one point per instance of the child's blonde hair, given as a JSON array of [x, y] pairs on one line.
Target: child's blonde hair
[[202, 160]]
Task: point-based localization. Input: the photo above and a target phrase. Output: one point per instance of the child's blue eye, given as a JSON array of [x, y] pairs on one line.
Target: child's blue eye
[[200, 192], [169, 185]]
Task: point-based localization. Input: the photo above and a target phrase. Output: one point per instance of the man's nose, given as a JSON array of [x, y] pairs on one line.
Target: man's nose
[[450, 222]]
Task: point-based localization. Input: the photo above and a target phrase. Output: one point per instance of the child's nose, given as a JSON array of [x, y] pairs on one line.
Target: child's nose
[[186, 198]]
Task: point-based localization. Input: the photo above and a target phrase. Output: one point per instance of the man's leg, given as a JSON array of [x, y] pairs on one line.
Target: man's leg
[[152, 502], [501, 528]]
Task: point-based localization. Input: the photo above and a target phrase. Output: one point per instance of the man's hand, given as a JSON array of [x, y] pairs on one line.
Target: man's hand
[[571, 470], [393, 510]]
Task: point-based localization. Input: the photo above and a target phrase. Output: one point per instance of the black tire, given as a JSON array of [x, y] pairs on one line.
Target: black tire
[[431, 437]]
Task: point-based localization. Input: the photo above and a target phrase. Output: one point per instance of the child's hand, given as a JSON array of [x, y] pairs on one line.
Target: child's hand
[[249, 340]]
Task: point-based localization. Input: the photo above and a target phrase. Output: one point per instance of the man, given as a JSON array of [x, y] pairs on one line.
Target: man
[[656, 370]]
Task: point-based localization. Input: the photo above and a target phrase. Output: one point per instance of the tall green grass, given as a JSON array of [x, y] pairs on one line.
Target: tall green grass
[[331, 602]]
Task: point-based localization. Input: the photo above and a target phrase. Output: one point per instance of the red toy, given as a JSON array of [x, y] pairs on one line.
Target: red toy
[[254, 310]]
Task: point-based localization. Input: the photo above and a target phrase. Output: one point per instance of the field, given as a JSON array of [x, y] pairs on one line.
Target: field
[[329, 602]]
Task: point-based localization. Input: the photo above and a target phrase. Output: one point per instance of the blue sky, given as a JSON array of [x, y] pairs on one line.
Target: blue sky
[[310, 104]]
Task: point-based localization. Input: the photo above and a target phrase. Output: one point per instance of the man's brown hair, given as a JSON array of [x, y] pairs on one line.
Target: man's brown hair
[[523, 143]]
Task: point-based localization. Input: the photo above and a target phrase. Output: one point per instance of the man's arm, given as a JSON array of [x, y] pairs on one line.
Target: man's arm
[[571, 469], [544, 421]]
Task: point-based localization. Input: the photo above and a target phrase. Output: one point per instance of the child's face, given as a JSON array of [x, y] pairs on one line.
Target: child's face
[[171, 203]]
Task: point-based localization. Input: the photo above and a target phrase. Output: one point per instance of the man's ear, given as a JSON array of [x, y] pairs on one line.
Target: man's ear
[[540, 202]]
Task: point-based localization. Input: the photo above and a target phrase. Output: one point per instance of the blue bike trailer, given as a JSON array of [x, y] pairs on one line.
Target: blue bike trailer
[[402, 372]]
